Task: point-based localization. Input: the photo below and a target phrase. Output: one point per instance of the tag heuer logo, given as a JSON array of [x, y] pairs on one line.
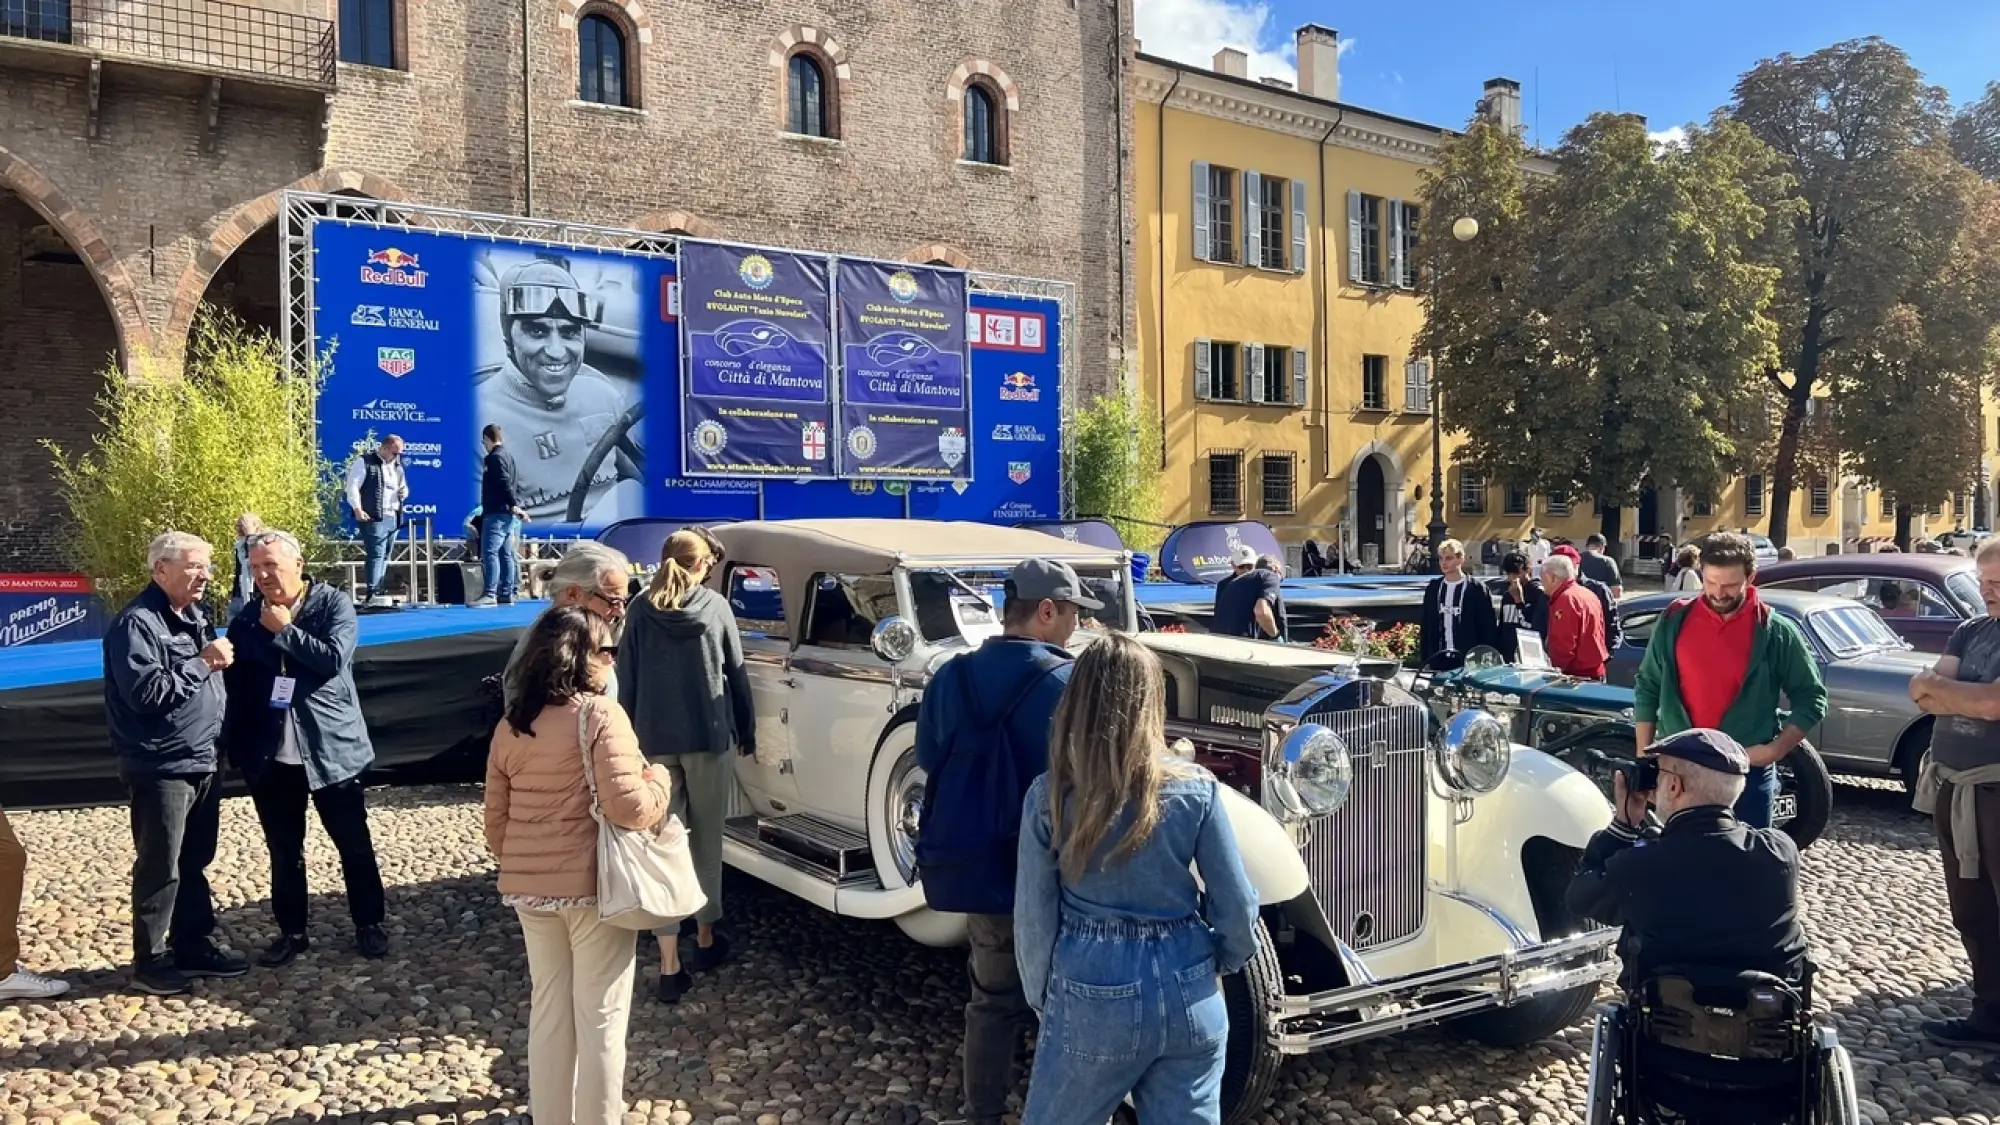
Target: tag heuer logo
[[1019, 471], [396, 362]]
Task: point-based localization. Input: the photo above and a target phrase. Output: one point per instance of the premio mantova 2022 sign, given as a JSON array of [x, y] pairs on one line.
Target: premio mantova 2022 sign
[[732, 382]]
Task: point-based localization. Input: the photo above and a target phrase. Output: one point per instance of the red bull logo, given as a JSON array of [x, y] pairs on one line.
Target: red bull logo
[[1019, 387], [393, 267]]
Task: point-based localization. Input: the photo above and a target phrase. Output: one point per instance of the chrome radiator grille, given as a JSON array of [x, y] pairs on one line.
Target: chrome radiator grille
[[1367, 860]]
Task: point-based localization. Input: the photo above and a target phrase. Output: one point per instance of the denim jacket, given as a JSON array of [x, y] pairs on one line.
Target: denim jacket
[[1153, 884]]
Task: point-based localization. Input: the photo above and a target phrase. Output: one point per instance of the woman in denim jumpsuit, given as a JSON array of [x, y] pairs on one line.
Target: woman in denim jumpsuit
[[1120, 950]]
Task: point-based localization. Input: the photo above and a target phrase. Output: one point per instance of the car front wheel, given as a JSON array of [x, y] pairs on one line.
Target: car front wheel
[[1250, 1061]]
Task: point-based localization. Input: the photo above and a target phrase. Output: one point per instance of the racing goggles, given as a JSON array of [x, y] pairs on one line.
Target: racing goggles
[[552, 300]]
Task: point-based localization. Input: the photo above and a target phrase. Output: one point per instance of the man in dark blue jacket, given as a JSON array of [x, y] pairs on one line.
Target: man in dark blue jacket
[[982, 739], [294, 728], [163, 702], [500, 516]]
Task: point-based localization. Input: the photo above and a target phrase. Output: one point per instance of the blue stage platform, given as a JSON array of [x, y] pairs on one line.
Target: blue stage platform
[[34, 666]]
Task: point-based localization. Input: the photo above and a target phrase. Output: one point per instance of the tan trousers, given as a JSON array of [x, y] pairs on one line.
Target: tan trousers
[[582, 971], [13, 873]]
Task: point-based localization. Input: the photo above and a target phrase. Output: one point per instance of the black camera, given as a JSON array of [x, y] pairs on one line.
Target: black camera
[[1642, 775]]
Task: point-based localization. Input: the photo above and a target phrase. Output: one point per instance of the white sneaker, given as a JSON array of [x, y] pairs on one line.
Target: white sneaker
[[484, 603], [25, 985], [380, 601]]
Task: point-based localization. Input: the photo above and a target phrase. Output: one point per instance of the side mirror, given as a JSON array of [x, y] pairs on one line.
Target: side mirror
[[894, 639]]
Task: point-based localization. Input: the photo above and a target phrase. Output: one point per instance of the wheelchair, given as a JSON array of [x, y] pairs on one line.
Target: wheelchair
[[1692, 1046]]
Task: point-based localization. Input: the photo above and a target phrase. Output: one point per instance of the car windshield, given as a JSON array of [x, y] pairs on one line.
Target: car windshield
[[1762, 543], [964, 603], [1852, 630], [1962, 586]]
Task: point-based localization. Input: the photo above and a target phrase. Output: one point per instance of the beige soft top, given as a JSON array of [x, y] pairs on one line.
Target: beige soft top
[[798, 549]]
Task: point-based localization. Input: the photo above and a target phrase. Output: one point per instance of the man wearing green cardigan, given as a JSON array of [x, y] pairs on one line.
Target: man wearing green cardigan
[[1727, 661]]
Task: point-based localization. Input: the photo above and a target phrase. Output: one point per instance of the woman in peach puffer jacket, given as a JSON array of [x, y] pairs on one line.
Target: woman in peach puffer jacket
[[539, 828]]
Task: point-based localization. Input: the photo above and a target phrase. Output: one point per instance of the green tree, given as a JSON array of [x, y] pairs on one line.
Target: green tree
[[1864, 138], [191, 452], [1975, 133], [1610, 327], [1114, 464], [1905, 389]]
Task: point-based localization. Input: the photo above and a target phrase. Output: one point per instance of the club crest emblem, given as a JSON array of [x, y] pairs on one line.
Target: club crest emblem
[[709, 438], [951, 446], [903, 286], [756, 271], [861, 442]]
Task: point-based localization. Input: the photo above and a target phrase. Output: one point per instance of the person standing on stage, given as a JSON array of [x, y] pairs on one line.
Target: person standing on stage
[[241, 585], [376, 493], [1457, 615], [163, 705], [294, 729], [500, 516]]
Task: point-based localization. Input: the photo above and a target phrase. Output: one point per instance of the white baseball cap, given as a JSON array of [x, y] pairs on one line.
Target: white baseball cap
[[1243, 555]]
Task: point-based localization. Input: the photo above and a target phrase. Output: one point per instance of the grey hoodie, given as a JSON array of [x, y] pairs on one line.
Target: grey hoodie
[[681, 677]]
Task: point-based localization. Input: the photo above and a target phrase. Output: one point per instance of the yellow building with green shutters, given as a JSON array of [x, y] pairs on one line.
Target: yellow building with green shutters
[[1276, 246]]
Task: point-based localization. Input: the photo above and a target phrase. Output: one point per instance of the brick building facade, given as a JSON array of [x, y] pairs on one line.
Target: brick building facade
[[142, 148]]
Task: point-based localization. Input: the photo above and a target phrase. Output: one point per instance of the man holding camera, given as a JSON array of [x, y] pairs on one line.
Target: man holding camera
[[1705, 889]]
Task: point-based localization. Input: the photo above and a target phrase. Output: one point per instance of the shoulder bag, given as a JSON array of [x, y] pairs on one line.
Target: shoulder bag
[[645, 876]]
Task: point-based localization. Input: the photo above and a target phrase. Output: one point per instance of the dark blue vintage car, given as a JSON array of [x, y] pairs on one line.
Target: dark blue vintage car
[[1588, 725]]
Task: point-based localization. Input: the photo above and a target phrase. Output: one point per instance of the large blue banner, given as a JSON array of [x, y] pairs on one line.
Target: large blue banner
[[905, 405], [576, 355], [757, 338]]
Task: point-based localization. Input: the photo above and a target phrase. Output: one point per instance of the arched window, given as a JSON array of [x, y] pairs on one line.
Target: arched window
[[805, 97], [600, 52], [982, 126]]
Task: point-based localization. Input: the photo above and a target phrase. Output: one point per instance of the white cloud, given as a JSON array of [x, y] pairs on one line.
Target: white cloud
[[1191, 31], [1676, 137]]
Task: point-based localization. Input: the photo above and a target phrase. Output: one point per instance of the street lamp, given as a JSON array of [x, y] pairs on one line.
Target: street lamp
[[1464, 229]]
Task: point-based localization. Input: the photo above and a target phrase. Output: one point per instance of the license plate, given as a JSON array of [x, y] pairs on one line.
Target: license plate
[[1787, 807]]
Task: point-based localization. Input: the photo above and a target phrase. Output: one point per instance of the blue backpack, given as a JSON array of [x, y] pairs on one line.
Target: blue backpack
[[970, 831]]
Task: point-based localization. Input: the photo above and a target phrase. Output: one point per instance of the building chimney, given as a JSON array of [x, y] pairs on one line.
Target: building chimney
[[1319, 62], [1232, 62], [1502, 104], [1276, 83]]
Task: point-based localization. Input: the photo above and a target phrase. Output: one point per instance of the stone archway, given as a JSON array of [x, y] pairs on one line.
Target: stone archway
[[232, 229], [121, 297], [1375, 480], [678, 222]]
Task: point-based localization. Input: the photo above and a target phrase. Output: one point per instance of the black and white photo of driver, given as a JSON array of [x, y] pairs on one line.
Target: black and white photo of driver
[[545, 396]]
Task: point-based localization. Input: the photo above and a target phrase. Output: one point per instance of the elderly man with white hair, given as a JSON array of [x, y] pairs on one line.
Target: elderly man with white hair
[[592, 576], [163, 704], [294, 729], [1576, 622]]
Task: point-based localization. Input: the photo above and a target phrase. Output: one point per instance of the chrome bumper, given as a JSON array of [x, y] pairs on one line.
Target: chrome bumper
[[1365, 1010]]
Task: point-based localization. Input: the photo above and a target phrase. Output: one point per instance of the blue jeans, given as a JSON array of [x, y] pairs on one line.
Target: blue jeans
[[376, 539], [499, 563], [1759, 802], [1132, 1007]]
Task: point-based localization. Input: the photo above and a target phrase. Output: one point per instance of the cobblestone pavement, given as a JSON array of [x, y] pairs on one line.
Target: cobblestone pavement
[[816, 1020]]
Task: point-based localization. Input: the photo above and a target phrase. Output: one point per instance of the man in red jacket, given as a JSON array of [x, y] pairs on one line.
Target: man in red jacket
[[1576, 622]]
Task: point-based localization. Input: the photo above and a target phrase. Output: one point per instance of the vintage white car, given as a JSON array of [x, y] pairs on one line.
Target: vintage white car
[[1411, 869]]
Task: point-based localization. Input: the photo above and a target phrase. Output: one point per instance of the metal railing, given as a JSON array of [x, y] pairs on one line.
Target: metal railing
[[207, 35]]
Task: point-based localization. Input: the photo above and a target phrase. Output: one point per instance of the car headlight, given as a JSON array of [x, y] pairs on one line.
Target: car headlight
[[1314, 773], [1475, 753]]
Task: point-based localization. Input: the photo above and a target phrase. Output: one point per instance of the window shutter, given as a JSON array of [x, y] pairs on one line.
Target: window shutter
[[1396, 242], [1204, 370], [1298, 376], [1201, 206], [1253, 359], [1430, 389], [1298, 226], [1354, 238], [1253, 219], [1411, 395]]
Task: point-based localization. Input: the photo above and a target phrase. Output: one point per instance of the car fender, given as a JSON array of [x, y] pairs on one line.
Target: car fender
[[1270, 854], [1539, 797]]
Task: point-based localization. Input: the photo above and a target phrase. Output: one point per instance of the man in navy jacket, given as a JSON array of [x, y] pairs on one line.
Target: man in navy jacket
[[979, 709], [294, 728], [163, 702]]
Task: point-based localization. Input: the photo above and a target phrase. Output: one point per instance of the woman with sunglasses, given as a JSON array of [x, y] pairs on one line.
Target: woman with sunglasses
[[539, 828], [688, 692], [1121, 950]]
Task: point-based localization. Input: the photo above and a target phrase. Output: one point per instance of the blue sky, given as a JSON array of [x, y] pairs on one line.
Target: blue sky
[[1672, 60]]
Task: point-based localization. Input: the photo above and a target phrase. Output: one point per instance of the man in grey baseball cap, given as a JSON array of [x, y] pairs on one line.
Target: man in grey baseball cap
[[982, 739]]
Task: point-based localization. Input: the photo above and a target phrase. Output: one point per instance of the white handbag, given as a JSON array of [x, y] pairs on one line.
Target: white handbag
[[645, 876]]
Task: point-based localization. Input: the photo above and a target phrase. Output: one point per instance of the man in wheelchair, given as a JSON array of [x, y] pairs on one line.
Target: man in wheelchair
[[1715, 1026]]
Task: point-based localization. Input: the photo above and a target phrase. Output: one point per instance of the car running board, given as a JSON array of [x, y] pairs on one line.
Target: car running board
[[805, 843]]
